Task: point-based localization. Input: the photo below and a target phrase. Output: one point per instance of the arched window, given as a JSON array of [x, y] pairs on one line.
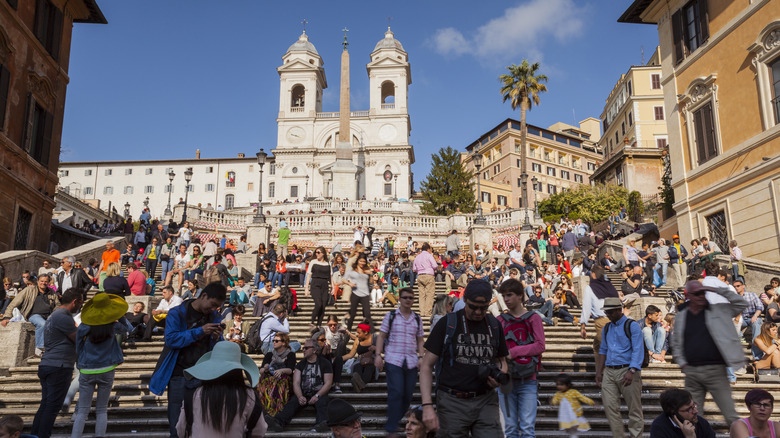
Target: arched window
[[229, 201], [297, 96], [388, 92]]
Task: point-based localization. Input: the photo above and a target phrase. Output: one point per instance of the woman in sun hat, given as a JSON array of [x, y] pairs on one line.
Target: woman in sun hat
[[224, 405], [98, 354]]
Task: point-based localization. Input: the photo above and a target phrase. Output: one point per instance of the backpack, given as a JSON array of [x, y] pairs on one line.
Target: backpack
[[518, 331], [627, 329], [212, 275], [253, 341], [390, 325], [452, 325]]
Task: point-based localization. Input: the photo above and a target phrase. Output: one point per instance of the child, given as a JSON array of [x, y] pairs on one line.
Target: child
[[376, 291], [570, 411], [11, 426]]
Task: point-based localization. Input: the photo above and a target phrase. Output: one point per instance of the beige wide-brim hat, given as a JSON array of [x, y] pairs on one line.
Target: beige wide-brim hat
[[225, 357], [103, 308]]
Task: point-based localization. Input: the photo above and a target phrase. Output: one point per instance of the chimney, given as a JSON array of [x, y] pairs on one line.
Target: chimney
[[241, 155], [197, 154]]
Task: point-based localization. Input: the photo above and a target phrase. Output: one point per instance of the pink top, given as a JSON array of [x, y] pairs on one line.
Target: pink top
[[424, 263], [137, 282], [750, 429]]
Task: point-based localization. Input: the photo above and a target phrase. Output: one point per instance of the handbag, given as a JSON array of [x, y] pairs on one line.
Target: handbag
[[331, 300]]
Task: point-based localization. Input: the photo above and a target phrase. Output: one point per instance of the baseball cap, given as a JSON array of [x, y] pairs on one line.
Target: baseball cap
[[478, 289]]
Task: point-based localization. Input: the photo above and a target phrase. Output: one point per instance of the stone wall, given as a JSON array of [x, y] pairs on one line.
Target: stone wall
[[18, 341], [16, 262]]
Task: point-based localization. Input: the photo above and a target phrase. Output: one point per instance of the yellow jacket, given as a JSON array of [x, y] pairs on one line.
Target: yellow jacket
[[574, 398]]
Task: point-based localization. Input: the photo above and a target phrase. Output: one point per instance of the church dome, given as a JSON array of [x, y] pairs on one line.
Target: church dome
[[303, 45], [389, 42]]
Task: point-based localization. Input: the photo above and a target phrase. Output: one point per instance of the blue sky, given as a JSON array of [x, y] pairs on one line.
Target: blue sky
[[164, 78]]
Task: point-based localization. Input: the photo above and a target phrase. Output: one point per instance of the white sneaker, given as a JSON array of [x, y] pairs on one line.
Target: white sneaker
[[740, 371], [38, 352]]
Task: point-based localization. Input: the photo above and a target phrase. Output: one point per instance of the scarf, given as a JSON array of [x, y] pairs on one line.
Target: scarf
[[603, 288], [277, 359]]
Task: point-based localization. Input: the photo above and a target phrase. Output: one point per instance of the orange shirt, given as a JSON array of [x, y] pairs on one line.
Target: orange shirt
[[109, 257]]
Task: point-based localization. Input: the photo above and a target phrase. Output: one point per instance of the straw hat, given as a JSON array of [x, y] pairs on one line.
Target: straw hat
[[225, 357], [103, 308]]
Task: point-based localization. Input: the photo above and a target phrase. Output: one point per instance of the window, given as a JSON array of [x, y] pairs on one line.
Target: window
[[168, 188], [294, 170], [617, 139], [64, 173], [23, 225], [5, 82], [87, 190], [272, 190], [690, 29], [48, 26], [519, 182], [388, 189], [704, 131], [496, 169], [501, 200], [108, 190], [565, 174], [660, 143], [552, 189], [628, 87], [577, 178], [209, 187], [38, 131], [210, 169], [13, 3], [591, 166], [230, 180], [149, 189], [485, 196], [658, 111], [550, 171], [251, 168], [191, 188], [148, 171], [128, 171], [272, 169], [250, 187], [486, 174], [716, 228], [775, 68], [108, 172], [88, 172], [519, 164], [630, 119], [622, 128], [128, 190], [293, 191], [765, 54], [536, 167], [619, 176], [655, 81], [229, 201], [168, 170]]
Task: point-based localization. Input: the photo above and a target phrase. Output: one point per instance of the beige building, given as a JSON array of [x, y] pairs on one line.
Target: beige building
[[560, 157], [634, 122], [720, 72]]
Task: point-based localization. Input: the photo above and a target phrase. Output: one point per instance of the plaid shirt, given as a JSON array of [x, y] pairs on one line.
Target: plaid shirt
[[753, 304], [402, 344]]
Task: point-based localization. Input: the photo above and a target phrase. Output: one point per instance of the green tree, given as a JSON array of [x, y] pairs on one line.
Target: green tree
[[449, 186], [592, 204], [636, 207], [521, 87]]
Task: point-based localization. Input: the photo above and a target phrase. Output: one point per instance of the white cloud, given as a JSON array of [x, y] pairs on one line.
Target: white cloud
[[521, 29]]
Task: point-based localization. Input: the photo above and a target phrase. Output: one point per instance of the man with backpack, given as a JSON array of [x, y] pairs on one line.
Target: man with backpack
[[524, 335], [618, 368], [401, 340], [469, 351], [272, 323]]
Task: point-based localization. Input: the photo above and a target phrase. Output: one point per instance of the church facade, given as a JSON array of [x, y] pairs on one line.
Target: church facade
[[307, 137]]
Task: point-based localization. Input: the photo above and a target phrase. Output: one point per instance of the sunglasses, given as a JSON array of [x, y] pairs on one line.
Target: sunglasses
[[332, 325], [277, 340], [407, 298], [321, 340], [475, 307], [317, 252]]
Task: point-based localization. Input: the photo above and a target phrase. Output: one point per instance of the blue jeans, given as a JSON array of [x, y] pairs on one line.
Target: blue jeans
[[167, 265], [87, 384], [735, 271], [38, 322], [408, 276], [756, 326], [519, 409], [654, 340], [401, 382], [664, 269], [178, 387], [192, 273], [54, 386]]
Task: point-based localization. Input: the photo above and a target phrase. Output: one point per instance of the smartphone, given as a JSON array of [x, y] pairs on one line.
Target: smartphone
[[679, 418]]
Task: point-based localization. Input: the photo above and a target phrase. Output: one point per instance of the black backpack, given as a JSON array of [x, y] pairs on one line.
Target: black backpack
[[253, 341], [627, 329]]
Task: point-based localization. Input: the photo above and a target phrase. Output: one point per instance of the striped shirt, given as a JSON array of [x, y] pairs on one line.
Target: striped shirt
[[402, 344]]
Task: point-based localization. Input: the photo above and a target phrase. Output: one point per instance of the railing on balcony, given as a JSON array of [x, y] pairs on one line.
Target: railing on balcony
[[388, 106], [296, 109], [336, 114], [576, 165]]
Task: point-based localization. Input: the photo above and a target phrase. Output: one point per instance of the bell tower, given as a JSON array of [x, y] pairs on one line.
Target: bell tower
[[389, 77], [302, 79]]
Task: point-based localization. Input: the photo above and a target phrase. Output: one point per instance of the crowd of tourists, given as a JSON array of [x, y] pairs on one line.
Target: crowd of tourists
[[477, 369]]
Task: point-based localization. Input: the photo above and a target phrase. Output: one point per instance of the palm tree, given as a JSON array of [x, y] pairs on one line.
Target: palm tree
[[521, 87]]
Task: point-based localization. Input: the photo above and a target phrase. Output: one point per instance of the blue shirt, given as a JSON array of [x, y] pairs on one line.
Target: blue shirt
[[618, 348]]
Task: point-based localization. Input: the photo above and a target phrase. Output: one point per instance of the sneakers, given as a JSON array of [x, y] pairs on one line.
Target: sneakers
[[337, 389], [38, 352], [273, 424], [655, 361], [740, 371], [321, 427]]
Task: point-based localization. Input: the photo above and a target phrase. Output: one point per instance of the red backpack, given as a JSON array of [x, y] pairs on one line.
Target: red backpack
[[518, 331]]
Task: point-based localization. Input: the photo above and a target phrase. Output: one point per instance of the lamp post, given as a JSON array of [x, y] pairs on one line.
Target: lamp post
[[395, 187], [566, 211], [306, 193], [536, 205], [259, 218], [187, 179], [127, 210], [146, 202], [168, 211], [480, 219]]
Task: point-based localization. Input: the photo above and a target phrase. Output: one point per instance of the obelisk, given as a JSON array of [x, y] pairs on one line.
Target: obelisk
[[344, 170]]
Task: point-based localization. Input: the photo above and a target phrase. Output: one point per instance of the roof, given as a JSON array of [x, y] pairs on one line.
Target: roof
[[389, 42], [303, 45], [634, 12], [95, 14]]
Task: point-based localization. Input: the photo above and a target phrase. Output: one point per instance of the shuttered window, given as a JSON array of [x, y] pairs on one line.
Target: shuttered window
[[659, 112], [48, 27], [5, 81], [38, 130], [690, 28], [704, 128]]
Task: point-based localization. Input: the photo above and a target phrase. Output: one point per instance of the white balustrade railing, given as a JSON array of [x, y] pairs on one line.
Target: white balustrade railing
[[388, 106], [336, 114], [296, 109]]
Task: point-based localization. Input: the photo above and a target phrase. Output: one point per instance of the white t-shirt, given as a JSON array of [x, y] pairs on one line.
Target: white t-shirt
[[185, 233], [181, 260], [166, 306], [516, 255]]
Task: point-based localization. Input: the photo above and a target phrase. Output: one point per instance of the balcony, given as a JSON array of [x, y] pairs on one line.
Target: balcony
[[386, 106], [296, 109], [336, 114]]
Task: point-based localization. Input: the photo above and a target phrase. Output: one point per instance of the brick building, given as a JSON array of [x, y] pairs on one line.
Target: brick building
[[35, 38]]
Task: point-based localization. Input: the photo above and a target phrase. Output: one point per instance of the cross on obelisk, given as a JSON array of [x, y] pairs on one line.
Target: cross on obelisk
[[345, 43]]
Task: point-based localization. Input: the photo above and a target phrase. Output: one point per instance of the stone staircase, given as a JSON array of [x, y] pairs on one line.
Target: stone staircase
[[133, 410]]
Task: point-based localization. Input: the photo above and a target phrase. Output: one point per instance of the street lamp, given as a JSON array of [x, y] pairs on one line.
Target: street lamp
[[534, 180], [259, 218], [566, 211], [395, 186], [127, 210], [146, 202], [187, 179], [168, 211], [306, 193], [480, 219]]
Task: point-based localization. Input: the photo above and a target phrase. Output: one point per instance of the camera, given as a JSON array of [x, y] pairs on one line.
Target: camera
[[492, 370]]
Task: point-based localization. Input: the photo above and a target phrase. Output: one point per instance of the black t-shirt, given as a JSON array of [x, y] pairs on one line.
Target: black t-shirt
[[700, 348], [638, 279], [190, 354], [133, 319], [313, 375], [470, 348], [42, 306]]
